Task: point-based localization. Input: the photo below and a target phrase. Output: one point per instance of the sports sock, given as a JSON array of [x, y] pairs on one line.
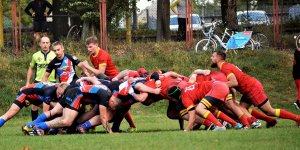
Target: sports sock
[[42, 125], [207, 122], [224, 117], [2, 122], [285, 114], [244, 121], [39, 119], [208, 115], [129, 120], [86, 125], [260, 115], [34, 114]]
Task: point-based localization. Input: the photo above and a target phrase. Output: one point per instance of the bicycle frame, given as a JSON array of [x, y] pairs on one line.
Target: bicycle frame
[[237, 40]]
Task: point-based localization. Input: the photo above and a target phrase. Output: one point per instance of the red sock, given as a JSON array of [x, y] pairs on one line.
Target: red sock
[[244, 120], [224, 117], [261, 116], [129, 120], [207, 122], [208, 115], [285, 114]]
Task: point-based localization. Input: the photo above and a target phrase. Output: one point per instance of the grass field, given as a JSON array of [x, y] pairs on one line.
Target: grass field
[[155, 130]]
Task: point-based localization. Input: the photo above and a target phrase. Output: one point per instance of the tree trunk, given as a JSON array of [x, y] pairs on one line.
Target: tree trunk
[[134, 15], [228, 8], [1, 27], [163, 20], [128, 30]]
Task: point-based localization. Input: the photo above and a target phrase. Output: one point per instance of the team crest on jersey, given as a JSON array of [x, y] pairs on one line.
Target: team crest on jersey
[[39, 59], [63, 68]]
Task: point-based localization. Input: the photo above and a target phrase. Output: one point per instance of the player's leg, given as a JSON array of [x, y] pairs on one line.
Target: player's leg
[[297, 102], [281, 113], [237, 111], [205, 113], [34, 112], [58, 109], [13, 110]]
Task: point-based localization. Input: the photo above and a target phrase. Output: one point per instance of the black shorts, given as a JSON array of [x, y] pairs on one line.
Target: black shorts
[[210, 102], [40, 26], [27, 102]]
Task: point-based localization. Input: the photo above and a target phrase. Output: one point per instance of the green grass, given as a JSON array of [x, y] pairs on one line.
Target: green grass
[[156, 131], [273, 68]]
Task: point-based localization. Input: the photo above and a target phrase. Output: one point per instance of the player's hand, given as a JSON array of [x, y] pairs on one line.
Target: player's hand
[[206, 72], [33, 14], [157, 91], [85, 63]]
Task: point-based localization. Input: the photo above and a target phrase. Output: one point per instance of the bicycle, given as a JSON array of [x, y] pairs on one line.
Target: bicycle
[[235, 41], [74, 33]]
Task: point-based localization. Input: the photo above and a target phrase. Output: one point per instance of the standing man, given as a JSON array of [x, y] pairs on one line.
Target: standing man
[[39, 15], [296, 76], [181, 12], [64, 65], [38, 65]]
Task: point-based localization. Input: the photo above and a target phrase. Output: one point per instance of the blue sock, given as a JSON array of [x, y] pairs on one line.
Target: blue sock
[[2, 122], [42, 125], [86, 125], [39, 119]]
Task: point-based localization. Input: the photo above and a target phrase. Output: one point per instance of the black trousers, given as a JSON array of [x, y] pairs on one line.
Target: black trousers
[[181, 34]]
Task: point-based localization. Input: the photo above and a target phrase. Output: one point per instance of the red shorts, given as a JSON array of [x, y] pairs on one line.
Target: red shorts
[[219, 90], [256, 94]]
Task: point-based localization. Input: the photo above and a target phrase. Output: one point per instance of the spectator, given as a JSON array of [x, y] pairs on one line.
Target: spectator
[[39, 15], [181, 12]]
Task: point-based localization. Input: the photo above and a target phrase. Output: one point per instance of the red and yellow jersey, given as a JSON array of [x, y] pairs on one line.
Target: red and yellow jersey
[[244, 81], [102, 58], [192, 95]]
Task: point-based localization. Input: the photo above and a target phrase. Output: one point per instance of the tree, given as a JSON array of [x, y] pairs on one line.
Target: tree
[[228, 9], [163, 20]]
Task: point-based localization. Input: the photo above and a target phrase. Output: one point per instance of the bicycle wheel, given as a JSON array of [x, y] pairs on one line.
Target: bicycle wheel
[[205, 45], [74, 33], [298, 41], [260, 41], [250, 45]]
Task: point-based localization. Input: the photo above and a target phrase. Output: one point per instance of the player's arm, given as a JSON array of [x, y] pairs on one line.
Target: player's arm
[[104, 118], [173, 5], [101, 69], [29, 74], [232, 81], [200, 71], [91, 79], [140, 97], [143, 88], [171, 74], [192, 118], [46, 76], [121, 75], [84, 69]]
